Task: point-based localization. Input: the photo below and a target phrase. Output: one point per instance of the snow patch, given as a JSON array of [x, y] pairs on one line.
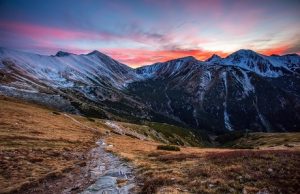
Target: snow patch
[[264, 122], [2, 87], [245, 82], [227, 122], [123, 130]]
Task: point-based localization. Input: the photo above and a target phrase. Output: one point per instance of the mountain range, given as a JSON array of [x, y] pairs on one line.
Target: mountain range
[[243, 91]]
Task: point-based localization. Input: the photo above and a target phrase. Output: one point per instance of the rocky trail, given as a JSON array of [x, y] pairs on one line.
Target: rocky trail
[[112, 175]]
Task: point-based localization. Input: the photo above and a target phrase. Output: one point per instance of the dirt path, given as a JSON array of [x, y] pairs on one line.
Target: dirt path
[[112, 175]]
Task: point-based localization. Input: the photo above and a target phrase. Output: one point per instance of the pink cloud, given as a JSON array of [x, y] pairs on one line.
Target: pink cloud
[[158, 47], [240, 22], [41, 32]]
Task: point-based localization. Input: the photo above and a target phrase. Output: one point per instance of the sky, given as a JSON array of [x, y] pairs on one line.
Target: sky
[[142, 32]]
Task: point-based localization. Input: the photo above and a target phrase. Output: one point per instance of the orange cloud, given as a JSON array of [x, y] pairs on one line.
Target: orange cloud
[[139, 57], [170, 46], [280, 50], [277, 50]]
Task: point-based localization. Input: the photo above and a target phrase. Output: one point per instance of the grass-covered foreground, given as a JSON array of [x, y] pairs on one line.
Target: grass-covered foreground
[[45, 151], [211, 170], [38, 145]]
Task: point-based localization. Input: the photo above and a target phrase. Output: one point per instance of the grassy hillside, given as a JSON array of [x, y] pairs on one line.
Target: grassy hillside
[[210, 170], [179, 135], [162, 132], [259, 140], [38, 144]]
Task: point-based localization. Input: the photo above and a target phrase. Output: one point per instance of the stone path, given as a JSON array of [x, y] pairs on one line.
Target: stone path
[[113, 176]]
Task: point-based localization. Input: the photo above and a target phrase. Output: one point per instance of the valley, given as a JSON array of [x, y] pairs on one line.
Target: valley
[[44, 150]]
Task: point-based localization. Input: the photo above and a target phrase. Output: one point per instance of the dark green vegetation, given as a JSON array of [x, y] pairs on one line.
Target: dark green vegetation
[[230, 137], [179, 135], [168, 147], [266, 140], [165, 133], [243, 140]]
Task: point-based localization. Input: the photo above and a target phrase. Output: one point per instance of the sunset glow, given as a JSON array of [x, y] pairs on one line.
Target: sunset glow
[[144, 32]]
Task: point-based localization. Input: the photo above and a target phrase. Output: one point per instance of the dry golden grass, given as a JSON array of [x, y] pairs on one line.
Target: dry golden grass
[[37, 143], [270, 140], [210, 170]]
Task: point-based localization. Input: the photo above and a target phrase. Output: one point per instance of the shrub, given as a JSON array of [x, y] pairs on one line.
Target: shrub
[[55, 113], [90, 119], [229, 137], [176, 157], [288, 145], [168, 147], [243, 147], [152, 184]]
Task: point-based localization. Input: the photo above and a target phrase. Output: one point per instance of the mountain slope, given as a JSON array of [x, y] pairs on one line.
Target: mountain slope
[[244, 91], [90, 84], [267, 66]]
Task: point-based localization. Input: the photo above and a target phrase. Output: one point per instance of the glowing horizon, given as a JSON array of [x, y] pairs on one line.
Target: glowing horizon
[[140, 33]]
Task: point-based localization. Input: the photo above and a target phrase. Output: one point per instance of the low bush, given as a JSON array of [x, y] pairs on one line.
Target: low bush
[[288, 145], [152, 184], [243, 147], [90, 119], [229, 137], [168, 147], [176, 157]]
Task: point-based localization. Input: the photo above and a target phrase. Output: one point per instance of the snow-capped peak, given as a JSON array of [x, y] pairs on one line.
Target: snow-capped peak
[[187, 58], [95, 52], [214, 58], [252, 61], [244, 53], [101, 55], [66, 69], [167, 68], [62, 54]]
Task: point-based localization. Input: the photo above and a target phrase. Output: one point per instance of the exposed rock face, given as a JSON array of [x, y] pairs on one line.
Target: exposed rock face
[[245, 90]]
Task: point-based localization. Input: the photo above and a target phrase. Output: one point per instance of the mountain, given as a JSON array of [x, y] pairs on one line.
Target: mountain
[[90, 84], [262, 65], [214, 58], [243, 91]]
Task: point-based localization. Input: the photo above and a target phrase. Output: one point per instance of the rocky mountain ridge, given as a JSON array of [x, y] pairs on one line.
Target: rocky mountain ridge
[[243, 91]]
